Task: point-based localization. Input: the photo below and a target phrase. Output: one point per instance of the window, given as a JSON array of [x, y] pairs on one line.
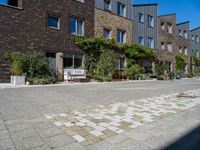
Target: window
[[180, 50], [121, 9], [192, 37], [162, 45], [162, 25], [120, 64], [185, 34], [141, 18], [169, 28], [180, 33], [82, 1], [73, 61], [107, 5], [13, 3], [150, 21], [76, 26], [150, 42], [141, 40], [197, 38], [169, 47], [53, 21], [120, 36], [186, 51], [106, 33]]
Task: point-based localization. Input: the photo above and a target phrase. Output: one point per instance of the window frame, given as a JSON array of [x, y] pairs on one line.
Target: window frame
[[53, 15], [76, 26]]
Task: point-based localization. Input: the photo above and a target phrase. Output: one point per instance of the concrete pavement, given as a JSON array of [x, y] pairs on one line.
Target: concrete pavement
[[23, 125]]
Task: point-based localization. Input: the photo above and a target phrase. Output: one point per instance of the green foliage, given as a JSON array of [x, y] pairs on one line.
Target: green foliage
[[180, 63], [100, 62], [42, 80], [17, 63], [35, 66], [135, 53], [106, 64], [196, 59], [132, 71], [94, 48], [160, 68]]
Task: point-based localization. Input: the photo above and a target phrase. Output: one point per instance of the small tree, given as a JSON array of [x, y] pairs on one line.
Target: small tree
[[180, 63]]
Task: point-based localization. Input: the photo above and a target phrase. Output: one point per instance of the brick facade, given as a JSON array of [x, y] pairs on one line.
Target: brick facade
[[112, 22], [25, 29], [167, 37]]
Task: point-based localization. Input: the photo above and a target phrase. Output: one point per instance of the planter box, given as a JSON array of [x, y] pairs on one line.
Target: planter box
[[18, 80]]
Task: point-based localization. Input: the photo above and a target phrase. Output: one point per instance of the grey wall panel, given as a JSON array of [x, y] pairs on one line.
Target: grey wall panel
[[193, 44], [100, 5], [142, 29]]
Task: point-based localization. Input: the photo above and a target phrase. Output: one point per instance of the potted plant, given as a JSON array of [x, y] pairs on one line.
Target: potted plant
[[16, 62]]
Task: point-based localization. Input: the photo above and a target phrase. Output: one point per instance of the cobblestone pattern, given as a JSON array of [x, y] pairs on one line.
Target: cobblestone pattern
[[104, 121]]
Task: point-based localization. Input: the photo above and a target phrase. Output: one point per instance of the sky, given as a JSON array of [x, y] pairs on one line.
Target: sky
[[186, 10]]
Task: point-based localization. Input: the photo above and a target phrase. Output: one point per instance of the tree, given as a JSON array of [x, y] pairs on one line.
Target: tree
[[180, 63]]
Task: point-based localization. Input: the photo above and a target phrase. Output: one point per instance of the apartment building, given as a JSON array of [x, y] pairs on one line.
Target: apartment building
[[194, 44], [145, 29], [182, 42], [48, 26], [113, 20], [166, 45]]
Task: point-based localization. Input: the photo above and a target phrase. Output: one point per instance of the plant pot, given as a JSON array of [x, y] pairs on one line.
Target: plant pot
[[18, 80]]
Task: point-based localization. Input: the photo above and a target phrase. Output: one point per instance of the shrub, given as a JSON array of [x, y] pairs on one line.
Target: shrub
[[132, 71], [35, 66], [17, 63], [107, 64], [42, 80]]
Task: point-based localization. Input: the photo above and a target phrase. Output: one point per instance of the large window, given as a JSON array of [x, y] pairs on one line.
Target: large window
[[107, 5], [120, 36], [150, 21], [141, 18], [14, 3], [106, 33], [121, 9], [141, 40], [169, 47], [169, 28], [162, 45], [53, 21], [73, 61], [197, 38], [185, 34], [76, 26], [150, 42], [120, 64]]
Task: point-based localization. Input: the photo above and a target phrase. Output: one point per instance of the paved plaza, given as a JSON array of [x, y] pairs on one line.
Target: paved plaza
[[124, 115]]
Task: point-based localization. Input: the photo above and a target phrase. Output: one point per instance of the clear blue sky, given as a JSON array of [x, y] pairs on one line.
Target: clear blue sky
[[186, 10]]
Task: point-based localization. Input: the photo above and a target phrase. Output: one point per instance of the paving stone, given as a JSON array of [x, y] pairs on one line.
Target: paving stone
[[49, 132], [73, 146], [59, 140], [79, 138], [6, 144], [22, 134], [4, 134], [2, 126], [116, 139], [42, 147], [28, 143], [18, 127]]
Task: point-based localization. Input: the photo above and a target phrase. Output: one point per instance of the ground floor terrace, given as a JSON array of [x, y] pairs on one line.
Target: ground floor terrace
[[126, 115]]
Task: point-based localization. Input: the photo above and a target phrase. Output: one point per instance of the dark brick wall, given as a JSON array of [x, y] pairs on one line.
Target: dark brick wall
[[26, 29]]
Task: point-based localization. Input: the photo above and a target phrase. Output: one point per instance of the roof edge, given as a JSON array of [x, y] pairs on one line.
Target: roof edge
[[183, 23], [167, 15], [195, 29], [138, 5]]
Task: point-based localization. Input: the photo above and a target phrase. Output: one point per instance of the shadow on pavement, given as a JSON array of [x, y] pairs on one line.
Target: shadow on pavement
[[191, 141]]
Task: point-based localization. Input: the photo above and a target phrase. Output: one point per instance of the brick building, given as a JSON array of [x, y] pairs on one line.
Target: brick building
[[27, 25]]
